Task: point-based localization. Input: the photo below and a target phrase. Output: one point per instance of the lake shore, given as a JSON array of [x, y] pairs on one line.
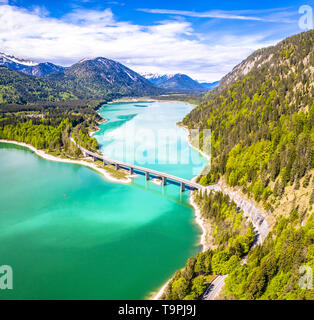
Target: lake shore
[[145, 99], [85, 163], [199, 220]]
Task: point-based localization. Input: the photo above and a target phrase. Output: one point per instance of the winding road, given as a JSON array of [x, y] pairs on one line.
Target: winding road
[[212, 291]]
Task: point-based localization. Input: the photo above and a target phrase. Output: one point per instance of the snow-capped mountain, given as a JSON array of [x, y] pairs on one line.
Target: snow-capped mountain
[[27, 66], [157, 78], [4, 58], [177, 82]]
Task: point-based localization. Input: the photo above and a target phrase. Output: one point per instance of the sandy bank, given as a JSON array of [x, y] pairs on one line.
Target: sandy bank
[[50, 157]]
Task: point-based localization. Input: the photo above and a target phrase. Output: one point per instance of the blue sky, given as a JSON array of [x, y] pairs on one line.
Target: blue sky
[[204, 39]]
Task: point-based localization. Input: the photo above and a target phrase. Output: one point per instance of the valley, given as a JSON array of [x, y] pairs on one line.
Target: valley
[[255, 205]]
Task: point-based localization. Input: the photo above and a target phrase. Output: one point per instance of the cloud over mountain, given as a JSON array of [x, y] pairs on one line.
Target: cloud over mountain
[[165, 46]]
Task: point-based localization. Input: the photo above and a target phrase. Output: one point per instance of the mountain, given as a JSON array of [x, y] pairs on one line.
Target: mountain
[[105, 77], [262, 124], [11, 60], [262, 135], [209, 85], [28, 67], [263, 110], [43, 69], [94, 79], [156, 78], [20, 88], [181, 82], [258, 59], [178, 82]]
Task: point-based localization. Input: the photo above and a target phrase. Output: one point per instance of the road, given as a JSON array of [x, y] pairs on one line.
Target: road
[[214, 288]]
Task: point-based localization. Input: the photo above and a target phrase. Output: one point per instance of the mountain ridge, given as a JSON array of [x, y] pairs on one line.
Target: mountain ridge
[[98, 78], [28, 67], [257, 59], [179, 82]]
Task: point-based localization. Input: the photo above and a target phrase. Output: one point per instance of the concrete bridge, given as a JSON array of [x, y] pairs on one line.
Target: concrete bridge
[[163, 176]]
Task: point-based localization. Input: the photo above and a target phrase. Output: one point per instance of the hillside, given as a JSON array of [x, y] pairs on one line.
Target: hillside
[[262, 124], [102, 76], [16, 87], [90, 79], [262, 121]]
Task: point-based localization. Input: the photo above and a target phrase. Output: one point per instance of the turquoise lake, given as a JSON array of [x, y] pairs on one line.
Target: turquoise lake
[[68, 233]]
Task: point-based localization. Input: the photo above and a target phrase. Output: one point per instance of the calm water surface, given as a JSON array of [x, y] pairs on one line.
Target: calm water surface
[[70, 234]]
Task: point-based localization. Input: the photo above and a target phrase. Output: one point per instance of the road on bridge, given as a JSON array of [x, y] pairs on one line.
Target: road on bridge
[[163, 175]]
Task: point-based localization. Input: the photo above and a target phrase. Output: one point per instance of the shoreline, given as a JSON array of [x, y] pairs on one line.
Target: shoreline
[[203, 243], [147, 99], [44, 155], [197, 217], [160, 292], [206, 156], [201, 223]]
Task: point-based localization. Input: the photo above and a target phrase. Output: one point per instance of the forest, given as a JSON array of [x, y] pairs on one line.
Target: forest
[[262, 125], [49, 128], [262, 141], [232, 239], [272, 270]]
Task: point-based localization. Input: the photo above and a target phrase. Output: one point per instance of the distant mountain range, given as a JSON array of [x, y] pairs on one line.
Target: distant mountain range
[[28, 67], [179, 82], [210, 85], [24, 81]]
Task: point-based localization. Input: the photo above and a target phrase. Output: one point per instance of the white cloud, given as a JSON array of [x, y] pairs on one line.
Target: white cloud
[[272, 15], [166, 47], [208, 14]]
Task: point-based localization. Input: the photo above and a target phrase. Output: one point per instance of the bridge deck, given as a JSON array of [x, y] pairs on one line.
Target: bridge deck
[[160, 174]]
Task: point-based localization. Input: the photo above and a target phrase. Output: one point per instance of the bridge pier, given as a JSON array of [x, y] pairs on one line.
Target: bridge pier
[[163, 176]]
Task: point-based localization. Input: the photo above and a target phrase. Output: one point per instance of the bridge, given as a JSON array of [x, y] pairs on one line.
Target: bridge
[[163, 176]]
